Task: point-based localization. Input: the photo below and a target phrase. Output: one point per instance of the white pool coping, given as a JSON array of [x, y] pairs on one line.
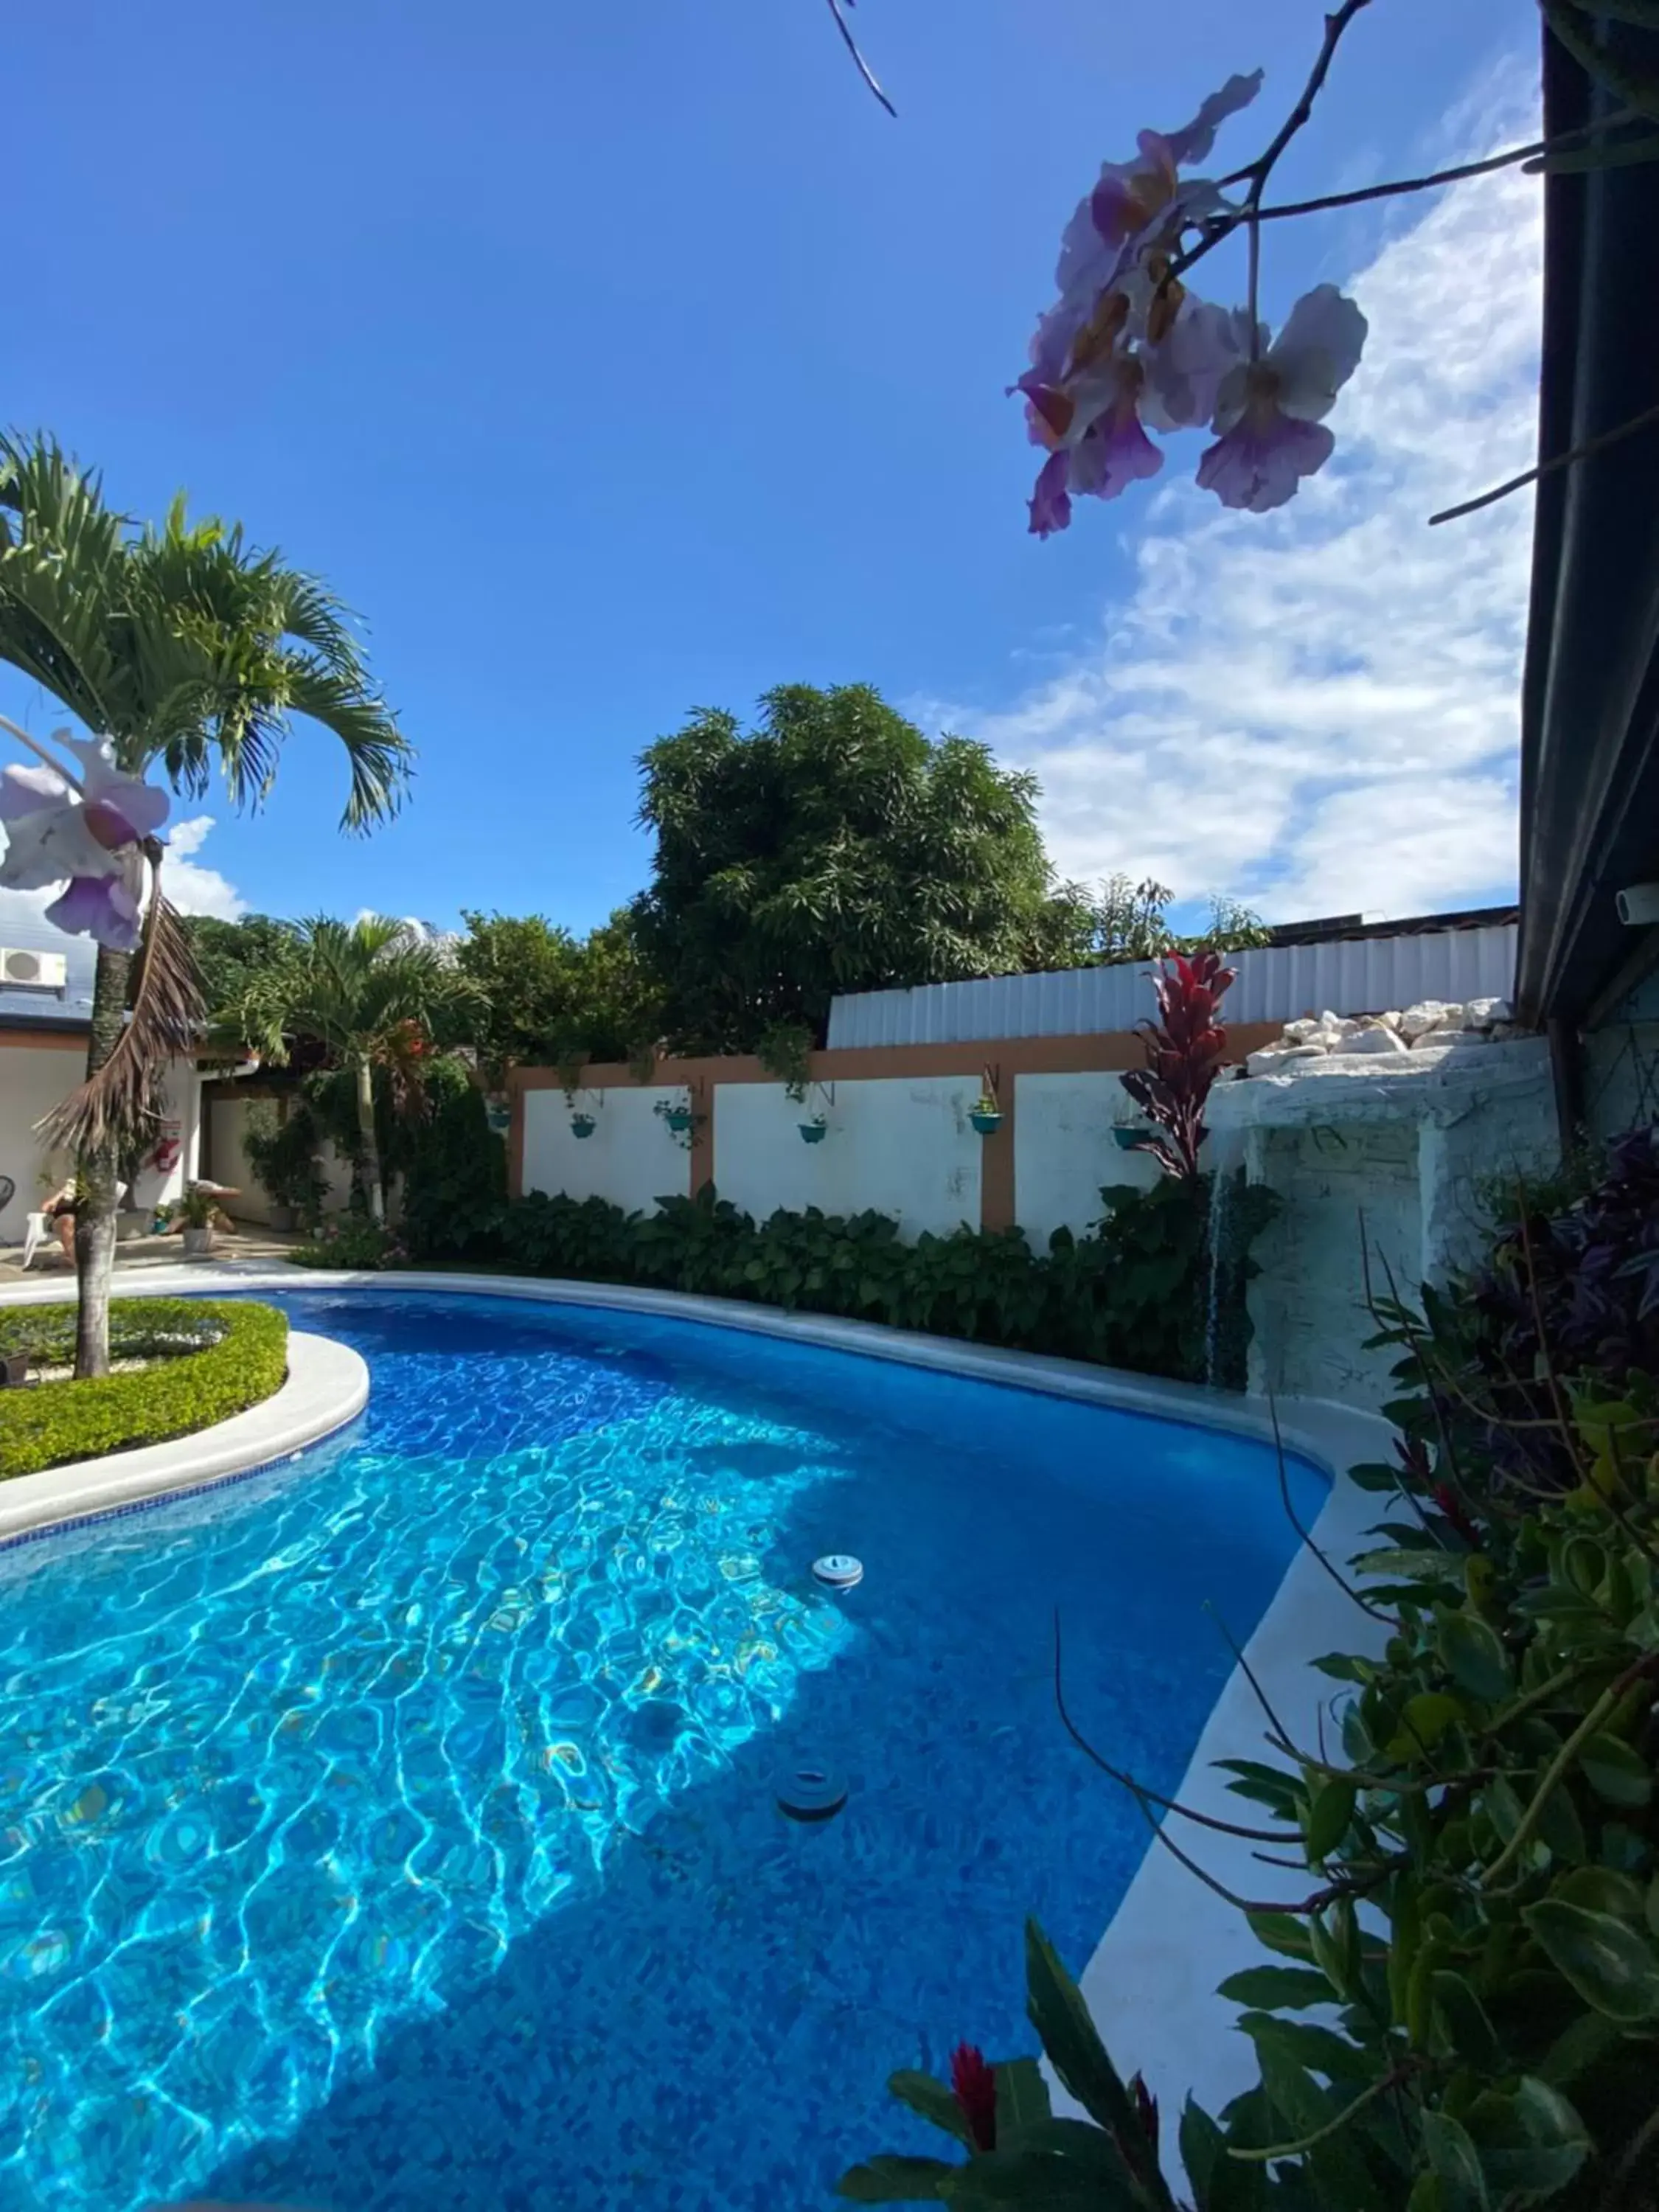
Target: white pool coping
[[1151, 1981], [326, 1387]]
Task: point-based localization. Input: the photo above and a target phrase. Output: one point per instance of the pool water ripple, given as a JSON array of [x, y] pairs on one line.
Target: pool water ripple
[[396, 1829]]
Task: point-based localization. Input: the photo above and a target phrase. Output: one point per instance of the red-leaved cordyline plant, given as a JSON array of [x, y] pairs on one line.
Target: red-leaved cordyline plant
[[1183, 1057], [974, 2085]]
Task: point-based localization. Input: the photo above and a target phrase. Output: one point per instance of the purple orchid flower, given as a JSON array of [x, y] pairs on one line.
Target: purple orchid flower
[[86, 837], [1270, 412]]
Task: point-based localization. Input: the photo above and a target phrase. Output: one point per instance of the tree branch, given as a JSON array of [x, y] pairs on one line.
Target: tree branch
[[858, 62]]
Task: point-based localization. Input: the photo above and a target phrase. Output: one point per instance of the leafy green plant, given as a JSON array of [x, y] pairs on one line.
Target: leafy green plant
[[1479, 1944], [198, 1206], [281, 1150], [1133, 1295], [453, 1167], [354, 1242], [785, 1050], [211, 1359]]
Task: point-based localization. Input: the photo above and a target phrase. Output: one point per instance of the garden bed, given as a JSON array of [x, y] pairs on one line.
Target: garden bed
[[182, 1365]]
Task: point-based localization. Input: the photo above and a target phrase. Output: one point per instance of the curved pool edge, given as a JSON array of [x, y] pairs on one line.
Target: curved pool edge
[[1331, 1435], [1151, 1982], [326, 1387]]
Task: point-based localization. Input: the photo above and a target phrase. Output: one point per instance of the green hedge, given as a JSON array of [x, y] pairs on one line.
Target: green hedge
[[1135, 1293], [214, 1360]]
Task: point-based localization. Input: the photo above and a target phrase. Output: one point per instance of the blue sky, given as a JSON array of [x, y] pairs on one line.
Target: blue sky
[[614, 360]]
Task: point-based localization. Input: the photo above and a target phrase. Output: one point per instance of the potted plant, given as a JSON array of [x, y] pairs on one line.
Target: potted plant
[[812, 1132], [198, 1213], [582, 1125], [985, 1113], [678, 1117]]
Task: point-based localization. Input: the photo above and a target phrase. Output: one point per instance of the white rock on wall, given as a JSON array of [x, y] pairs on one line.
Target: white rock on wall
[[1273, 1058], [1428, 1014], [1376, 1039], [1485, 1013]]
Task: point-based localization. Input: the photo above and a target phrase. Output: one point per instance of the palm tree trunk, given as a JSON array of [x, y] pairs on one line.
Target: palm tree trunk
[[371, 1149], [95, 1173]]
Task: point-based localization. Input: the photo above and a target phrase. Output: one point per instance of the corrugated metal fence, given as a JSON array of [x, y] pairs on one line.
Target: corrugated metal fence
[[1352, 976]]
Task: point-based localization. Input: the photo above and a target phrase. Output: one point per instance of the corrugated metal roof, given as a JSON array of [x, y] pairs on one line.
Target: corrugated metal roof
[[1276, 983], [22, 930]]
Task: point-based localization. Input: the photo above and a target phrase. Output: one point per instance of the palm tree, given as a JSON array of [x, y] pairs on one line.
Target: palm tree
[[183, 647], [371, 993]]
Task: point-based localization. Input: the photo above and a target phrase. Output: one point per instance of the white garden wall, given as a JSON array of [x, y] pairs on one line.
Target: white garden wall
[[633, 1157], [1065, 1151], [902, 1145], [34, 1078], [227, 1151]]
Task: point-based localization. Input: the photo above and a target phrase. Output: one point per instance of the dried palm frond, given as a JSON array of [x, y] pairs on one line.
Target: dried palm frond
[[120, 1102]]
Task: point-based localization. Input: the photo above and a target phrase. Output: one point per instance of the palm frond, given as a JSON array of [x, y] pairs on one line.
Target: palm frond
[[118, 1103], [379, 754]]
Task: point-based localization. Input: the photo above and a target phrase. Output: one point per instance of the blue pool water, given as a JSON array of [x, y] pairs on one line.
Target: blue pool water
[[393, 1831]]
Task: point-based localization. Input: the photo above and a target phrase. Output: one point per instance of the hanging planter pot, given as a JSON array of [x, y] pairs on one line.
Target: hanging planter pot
[[582, 1125], [498, 1112], [678, 1119], [986, 1114], [813, 1132]]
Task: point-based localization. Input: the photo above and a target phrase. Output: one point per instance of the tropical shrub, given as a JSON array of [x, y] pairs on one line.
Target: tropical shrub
[[353, 1242], [1135, 1294], [281, 1150], [211, 1360], [1462, 2014], [1184, 1052], [453, 1168]]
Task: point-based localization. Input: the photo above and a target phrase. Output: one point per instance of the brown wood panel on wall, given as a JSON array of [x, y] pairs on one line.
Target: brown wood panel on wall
[[1003, 1060]]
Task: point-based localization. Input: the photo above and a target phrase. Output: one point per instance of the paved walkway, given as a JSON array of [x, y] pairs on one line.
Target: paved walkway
[[247, 1241]]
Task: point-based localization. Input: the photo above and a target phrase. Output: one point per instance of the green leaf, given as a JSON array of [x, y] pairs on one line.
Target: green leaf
[[1042, 2181], [923, 2094], [1424, 1720], [1319, 2049], [1270, 1988], [1610, 1965], [1056, 2010], [1464, 2017], [1579, 2049], [890, 2180], [1546, 2114], [1473, 1657], [1328, 1816], [1283, 1932], [1452, 2156], [1022, 2098], [1616, 1771]]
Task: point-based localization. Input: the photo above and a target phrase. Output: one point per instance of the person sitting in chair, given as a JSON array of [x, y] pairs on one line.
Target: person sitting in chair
[[59, 1210]]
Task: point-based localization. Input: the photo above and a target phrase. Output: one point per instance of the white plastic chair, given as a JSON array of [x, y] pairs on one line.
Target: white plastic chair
[[37, 1229]]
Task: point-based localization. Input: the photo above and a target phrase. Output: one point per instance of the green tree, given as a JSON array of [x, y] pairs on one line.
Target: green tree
[[229, 954], [184, 647], [371, 994], [1130, 922], [833, 848], [546, 996]]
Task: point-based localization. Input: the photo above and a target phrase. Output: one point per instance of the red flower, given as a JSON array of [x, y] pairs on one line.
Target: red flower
[[1145, 2111], [974, 2085], [1446, 1498]]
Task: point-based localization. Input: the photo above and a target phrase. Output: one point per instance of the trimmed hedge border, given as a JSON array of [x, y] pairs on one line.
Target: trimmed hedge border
[[238, 1357]]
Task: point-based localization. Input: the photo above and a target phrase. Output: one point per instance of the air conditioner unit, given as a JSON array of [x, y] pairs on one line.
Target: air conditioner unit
[[40, 971]]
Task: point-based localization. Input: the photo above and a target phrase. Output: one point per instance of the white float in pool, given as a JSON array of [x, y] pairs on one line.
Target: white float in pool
[[838, 1570]]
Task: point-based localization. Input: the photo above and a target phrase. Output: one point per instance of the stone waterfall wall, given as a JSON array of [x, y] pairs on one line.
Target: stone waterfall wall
[[1381, 1153]]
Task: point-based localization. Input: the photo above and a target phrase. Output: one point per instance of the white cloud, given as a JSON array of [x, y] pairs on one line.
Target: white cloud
[[192, 888], [1318, 710]]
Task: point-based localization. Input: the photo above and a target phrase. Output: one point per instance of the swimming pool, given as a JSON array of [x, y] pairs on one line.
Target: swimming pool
[[394, 1831]]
